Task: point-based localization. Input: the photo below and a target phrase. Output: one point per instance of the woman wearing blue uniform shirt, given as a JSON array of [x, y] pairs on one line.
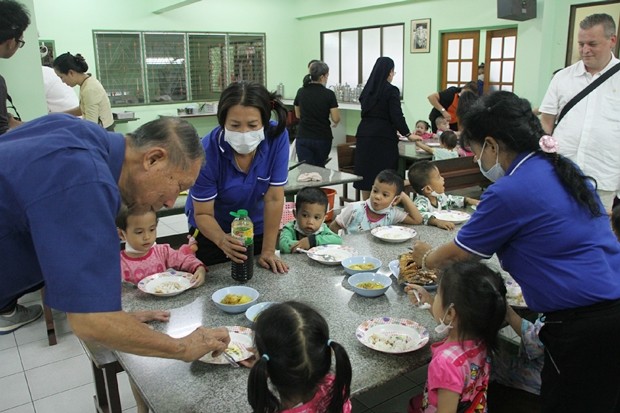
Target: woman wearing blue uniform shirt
[[246, 168], [546, 224]]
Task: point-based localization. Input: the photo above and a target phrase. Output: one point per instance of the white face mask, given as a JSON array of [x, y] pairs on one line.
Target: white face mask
[[442, 327], [381, 211], [244, 142], [298, 229], [495, 172], [434, 193], [131, 250]]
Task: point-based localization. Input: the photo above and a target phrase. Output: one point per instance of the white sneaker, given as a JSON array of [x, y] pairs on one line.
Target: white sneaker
[[21, 317]]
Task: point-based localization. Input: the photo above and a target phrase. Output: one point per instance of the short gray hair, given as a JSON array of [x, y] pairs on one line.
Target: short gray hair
[[176, 135], [609, 26], [318, 69]]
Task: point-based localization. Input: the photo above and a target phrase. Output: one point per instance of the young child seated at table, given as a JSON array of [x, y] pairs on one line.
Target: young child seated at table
[[422, 130], [470, 306], [143, 257], [308, 229], [442, 125], [294, 356], [447, 146], [427, 182], [379, 209], [520, 370]]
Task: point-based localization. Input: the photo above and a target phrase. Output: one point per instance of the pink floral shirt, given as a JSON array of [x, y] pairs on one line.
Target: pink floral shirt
[[320, 401], [158, 259]]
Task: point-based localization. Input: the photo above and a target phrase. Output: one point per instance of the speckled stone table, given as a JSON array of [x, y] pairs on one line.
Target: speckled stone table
[[176, 386]]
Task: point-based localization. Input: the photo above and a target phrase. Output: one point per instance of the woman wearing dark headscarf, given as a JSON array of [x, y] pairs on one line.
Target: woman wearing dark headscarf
[[376, 148]]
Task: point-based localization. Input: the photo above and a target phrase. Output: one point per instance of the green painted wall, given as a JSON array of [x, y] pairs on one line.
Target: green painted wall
[[292, 31]]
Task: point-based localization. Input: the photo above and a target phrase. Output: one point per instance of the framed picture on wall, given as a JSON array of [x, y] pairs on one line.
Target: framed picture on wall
[[580, 11], [420, 36]]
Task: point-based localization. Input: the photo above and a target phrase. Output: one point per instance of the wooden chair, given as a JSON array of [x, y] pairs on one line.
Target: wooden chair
[[346, 163]]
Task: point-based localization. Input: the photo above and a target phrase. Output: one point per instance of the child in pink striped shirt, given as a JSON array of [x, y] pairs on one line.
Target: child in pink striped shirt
[[143, 257]]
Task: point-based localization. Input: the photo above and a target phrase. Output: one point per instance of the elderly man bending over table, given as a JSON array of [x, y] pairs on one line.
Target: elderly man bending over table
[[62, 182]]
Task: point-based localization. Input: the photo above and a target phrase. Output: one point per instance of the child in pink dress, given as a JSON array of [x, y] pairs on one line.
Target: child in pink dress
[[470, 306], [295, 356], [143, 257]]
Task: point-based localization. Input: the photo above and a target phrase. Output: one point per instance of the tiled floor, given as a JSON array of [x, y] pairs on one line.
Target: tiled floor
[[35, 377]]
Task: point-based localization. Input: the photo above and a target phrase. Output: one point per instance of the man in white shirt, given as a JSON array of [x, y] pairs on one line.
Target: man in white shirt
[[589, 134]]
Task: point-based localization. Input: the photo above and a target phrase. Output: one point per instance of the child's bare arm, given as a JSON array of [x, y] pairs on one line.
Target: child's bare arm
[[471, 201], [425, 147], [513, 319], [414, 217], [334, 226], [439, 223]]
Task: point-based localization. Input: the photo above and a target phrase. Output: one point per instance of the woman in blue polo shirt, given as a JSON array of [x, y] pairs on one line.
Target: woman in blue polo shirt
[[549, 230], [246, 168]]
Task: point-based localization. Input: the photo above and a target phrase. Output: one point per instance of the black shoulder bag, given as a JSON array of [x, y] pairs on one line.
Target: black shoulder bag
[[596, 83]]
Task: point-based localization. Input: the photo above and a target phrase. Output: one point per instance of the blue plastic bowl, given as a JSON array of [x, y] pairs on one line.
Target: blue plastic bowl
[[363, 259], [355, 279]]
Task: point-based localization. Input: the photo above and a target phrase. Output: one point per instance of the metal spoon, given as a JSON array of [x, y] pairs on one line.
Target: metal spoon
[[326, 257], [229, 359]]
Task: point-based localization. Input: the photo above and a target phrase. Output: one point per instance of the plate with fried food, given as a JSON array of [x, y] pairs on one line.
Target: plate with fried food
[[406, 270]]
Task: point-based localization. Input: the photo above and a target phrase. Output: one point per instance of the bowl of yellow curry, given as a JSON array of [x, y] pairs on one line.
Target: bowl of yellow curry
[[363, 263], [235, 299], [369, 284]]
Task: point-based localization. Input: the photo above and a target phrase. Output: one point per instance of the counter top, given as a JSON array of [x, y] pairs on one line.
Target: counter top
[[341, 105], [171, 385]]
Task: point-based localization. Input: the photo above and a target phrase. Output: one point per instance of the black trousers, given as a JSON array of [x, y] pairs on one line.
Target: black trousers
[[582, 361], [8, 307], [211, 254]]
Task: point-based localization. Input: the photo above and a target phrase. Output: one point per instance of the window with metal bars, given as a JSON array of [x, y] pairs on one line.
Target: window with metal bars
[[351, 53], [141, 68]]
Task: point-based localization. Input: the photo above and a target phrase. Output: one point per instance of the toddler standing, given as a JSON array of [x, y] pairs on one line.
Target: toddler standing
[[379, 210], [470, 306], [308, 229]]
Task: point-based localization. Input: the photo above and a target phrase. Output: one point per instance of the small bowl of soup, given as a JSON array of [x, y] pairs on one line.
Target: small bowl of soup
[[362, 263], [235, 299], [369, 284]]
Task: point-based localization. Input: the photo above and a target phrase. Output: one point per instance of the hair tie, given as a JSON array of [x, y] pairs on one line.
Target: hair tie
[[329, 342], [548, 144], [265, 356]]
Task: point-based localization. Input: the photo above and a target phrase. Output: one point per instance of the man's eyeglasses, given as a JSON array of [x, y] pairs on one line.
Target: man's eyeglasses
[[21, 43]]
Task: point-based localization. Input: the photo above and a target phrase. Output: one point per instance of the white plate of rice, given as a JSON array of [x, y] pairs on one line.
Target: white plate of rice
[[392, 335], [166, 284]]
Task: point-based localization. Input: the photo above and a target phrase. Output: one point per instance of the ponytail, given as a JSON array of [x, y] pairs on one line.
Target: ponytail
[[281, 115], [341, 389], [259, 396]]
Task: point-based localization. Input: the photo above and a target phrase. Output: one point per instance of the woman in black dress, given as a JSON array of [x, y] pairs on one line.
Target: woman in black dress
[[376, 147]]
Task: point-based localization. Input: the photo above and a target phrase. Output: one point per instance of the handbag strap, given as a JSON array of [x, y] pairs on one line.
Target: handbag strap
[[596, 83]]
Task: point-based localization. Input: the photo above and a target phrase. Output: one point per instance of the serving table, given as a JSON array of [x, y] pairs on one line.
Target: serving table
[[176, 386]]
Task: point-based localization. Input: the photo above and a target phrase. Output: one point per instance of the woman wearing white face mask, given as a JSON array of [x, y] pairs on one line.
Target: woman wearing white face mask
[[548, 227], [246, 168]]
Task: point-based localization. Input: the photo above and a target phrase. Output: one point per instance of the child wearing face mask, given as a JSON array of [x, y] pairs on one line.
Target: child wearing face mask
[[470, 306], [143, 257], [379, 209], [427, 182], [308, 229]]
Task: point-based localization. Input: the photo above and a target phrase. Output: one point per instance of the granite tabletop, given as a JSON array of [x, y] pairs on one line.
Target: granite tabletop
[[176, 386]]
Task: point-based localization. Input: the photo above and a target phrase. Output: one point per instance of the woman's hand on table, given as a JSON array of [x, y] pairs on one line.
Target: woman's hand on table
[[155, 315], [204, 340], [199, 277], [271, 261]]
